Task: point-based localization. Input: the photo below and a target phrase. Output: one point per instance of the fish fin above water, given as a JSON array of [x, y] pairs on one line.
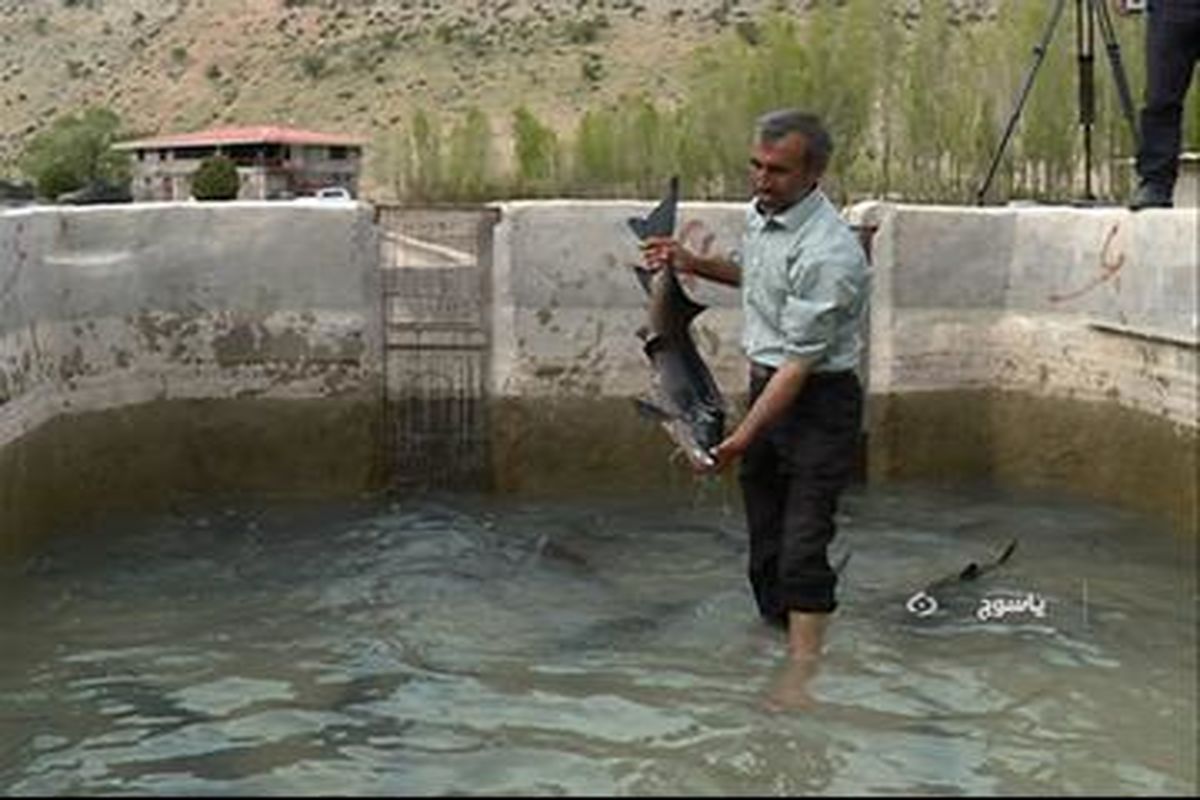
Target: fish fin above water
[[1008, 551], [661, 220], [973, 570]]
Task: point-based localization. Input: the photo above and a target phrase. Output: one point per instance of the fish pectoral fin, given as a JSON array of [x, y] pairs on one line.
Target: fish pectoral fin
[[652, 412], [652, 343], [645, 278], [691, 309]]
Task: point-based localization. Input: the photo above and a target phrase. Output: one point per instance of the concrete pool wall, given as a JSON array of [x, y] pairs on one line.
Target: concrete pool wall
[[1040, 347], [1033, 347], [152, 351], [149, 352]]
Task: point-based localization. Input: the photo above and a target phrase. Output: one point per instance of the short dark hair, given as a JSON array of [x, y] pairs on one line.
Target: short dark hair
[[775, 125]]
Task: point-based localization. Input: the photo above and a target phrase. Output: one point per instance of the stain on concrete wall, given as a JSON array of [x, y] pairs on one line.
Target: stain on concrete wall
[[116, 319]]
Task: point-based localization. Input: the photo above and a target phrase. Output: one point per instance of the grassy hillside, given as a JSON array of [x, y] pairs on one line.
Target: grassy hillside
[[346, 65], [916, 90]]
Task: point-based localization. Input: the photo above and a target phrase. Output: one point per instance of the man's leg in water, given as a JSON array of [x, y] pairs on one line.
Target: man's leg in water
[[764, 494], [819, 463]]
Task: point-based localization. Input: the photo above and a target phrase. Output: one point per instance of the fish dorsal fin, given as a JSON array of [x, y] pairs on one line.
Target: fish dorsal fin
[[660, 221]]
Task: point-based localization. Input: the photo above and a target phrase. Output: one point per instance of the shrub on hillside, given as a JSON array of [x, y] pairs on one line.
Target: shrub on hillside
[[215, 179], [74, 151]]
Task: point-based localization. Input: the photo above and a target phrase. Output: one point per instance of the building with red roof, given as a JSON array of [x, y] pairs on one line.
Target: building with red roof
[[273, 162]]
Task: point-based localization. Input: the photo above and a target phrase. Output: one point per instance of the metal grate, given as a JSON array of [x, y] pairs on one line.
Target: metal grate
[[436, 301]]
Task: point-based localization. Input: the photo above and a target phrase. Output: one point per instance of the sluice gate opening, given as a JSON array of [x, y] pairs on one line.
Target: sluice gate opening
[[435, 265]]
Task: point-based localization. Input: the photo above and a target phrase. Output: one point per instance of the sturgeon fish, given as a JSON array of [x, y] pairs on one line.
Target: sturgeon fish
[[686, 400], [924, 602]]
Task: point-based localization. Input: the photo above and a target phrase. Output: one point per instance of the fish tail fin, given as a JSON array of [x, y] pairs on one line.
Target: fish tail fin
[[660, 221]]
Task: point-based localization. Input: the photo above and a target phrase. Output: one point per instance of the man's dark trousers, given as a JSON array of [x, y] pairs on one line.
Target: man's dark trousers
[[1172, 50], [792, 476]]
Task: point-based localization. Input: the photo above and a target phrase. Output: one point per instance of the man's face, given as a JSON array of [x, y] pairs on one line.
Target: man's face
[[779, 171]]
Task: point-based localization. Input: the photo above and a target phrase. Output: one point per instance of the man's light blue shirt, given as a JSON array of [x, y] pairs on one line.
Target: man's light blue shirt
[[805, 285]]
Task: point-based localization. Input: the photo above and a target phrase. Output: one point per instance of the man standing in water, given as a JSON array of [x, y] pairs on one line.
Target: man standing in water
[[805, 282]]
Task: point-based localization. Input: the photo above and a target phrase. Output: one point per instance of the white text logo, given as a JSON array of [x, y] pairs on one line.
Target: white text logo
[[999, 607]]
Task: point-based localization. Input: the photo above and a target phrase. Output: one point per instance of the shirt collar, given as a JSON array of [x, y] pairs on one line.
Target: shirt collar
[[790, 219]]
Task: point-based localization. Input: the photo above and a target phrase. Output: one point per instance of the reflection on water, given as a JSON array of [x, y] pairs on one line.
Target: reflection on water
[[470, 645]]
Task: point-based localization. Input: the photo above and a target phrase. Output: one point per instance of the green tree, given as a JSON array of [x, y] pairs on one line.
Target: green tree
[[76, 150], [424, 134], [468, 170], [535, 147], [216, 179], [647, 148], [595, 150]]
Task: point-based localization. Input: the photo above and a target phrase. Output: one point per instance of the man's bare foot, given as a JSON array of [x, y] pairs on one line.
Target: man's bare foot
[[806, 639], [789, 689]]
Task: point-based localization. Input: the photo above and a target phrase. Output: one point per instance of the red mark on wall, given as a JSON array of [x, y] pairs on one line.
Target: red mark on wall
[[1110, 265]]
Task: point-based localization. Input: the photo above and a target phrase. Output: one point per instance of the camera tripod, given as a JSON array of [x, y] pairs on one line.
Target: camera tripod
[[1087, 14]]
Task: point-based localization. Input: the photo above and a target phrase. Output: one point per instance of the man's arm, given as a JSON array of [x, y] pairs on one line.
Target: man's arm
[[659, 252], [779, 393]]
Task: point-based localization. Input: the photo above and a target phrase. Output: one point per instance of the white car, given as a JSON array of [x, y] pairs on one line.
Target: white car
[[334, 193]]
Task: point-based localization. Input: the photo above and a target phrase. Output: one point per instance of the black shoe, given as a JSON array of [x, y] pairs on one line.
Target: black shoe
[[1151, 195]]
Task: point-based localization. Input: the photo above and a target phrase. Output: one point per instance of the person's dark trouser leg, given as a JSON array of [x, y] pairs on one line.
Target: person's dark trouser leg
[[819, 462], [1172, 48], [764, 491]]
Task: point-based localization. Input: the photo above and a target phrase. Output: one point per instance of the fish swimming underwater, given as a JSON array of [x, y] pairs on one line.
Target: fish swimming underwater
[[925, 602], [687, 401]]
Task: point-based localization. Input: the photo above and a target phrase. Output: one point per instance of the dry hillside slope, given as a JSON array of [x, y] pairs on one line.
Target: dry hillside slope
[[342, 65]]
